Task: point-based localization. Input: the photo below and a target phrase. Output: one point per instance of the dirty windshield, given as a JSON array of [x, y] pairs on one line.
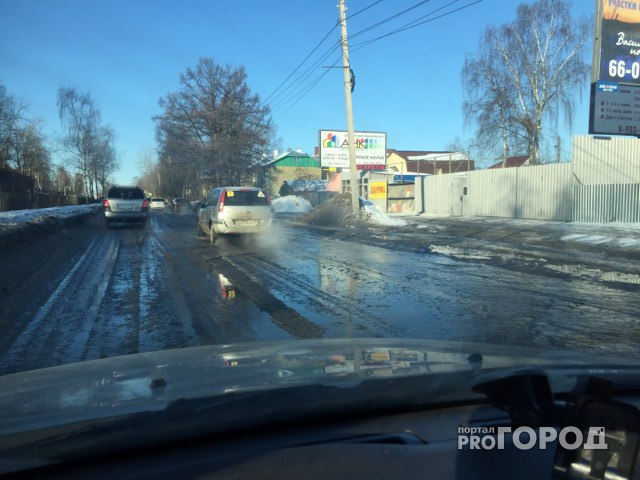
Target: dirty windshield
[[439, 172]]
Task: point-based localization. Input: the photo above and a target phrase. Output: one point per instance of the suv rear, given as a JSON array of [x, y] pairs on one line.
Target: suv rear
[[125, 203], [235, 210]]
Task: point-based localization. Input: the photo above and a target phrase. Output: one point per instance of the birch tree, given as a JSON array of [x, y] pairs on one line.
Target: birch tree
[[525, 73]]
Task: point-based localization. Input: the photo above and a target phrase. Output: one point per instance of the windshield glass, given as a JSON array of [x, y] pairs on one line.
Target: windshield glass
[[448, 187]]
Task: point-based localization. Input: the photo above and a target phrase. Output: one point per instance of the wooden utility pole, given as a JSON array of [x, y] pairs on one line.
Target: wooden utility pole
[[353, 174]]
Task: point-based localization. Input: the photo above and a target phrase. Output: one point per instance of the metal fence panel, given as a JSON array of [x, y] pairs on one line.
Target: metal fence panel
[[607, 203], [545, 192], [442, 194], [491, 193], [606, 160]]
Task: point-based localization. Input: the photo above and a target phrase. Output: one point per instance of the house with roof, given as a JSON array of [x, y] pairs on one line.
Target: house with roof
[[292, 166], [420, 162], [518, 161]]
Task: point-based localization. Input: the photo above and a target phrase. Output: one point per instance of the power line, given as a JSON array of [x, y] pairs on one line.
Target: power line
[[284, 98], [302, 62], [388, 19], [311, 86], [296, 85], [413, 23], [301, 90], [364, 9]]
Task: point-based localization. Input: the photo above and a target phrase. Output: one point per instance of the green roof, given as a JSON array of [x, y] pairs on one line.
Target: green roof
[[295, 159]]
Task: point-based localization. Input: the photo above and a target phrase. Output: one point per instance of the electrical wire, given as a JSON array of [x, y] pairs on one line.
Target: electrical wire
[[413, 23], [302, 62], [363, 10]]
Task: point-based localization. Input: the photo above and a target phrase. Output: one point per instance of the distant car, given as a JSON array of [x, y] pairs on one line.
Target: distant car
[[229, 210], [158, 204], [125, 204], [181, 205]]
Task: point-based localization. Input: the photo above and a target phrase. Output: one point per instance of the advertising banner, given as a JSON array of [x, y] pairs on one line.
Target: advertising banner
[[620, 41], [378, 190], [371, 149]]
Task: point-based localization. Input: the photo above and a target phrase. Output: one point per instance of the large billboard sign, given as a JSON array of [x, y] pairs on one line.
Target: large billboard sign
[[371, 149], [615, 88], [619, 41]]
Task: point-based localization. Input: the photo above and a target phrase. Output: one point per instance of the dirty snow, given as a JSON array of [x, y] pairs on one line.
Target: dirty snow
[[380, 218], [23, 216], [291, 204], [626, 242]]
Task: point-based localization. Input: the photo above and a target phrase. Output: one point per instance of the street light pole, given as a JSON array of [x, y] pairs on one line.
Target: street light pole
[[353, 174]]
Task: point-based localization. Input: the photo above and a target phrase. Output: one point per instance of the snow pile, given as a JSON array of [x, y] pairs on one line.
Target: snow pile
[[291, 204], [23, 216], [337, 213], [378, 217]]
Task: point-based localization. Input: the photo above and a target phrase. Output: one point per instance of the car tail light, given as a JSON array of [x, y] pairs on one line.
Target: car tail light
[[145, 206], [106, 205], [269, 200], [221, 204]]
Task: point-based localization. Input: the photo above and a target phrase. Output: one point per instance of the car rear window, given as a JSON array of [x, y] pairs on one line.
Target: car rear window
[[158, 200], [245, 198], [126, 193]]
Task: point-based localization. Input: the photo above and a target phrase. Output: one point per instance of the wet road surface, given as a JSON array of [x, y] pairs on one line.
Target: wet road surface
[[106, 292]]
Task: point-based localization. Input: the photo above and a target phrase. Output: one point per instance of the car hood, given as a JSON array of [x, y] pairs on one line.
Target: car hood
[[149, 382]]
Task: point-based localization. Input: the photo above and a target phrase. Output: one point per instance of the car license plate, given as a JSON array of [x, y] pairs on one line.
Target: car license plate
[[125, 206], [246, 223]]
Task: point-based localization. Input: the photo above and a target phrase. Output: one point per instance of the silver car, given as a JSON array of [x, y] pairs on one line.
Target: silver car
[[229, 210], [125, 203]]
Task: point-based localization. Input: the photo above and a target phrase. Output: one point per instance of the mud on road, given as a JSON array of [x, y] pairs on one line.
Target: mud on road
[[91, 292]]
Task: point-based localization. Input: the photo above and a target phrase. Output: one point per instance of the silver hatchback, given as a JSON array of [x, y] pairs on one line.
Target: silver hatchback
[[229, 210]]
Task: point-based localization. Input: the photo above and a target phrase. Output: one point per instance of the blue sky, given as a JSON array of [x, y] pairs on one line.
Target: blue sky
[[129, 53]]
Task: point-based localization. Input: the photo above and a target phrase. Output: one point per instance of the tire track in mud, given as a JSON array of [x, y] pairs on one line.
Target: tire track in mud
[[337, 310], [195, 289], [200, 251], [59, 329]]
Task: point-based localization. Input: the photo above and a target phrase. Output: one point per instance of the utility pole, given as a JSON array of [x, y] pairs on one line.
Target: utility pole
[[353, 174]]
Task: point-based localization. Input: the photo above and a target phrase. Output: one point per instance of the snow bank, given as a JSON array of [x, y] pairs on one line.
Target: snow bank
[[23, 216], [19, 227], [291, 204], [380, 218]]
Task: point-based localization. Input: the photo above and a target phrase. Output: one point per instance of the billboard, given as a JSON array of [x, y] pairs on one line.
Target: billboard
[[371, 149], [615, 88], [615, 109], [619, 41]]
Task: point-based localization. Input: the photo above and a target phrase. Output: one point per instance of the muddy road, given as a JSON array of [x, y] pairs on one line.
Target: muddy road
[[91, 292]]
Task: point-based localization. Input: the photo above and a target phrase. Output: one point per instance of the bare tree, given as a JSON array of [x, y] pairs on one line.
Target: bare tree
[[10, 118], [32, 158], [90, 144], [525, 72], [213, 128]]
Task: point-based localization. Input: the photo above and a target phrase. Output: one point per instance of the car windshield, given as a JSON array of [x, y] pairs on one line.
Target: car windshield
[[439, 188]]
